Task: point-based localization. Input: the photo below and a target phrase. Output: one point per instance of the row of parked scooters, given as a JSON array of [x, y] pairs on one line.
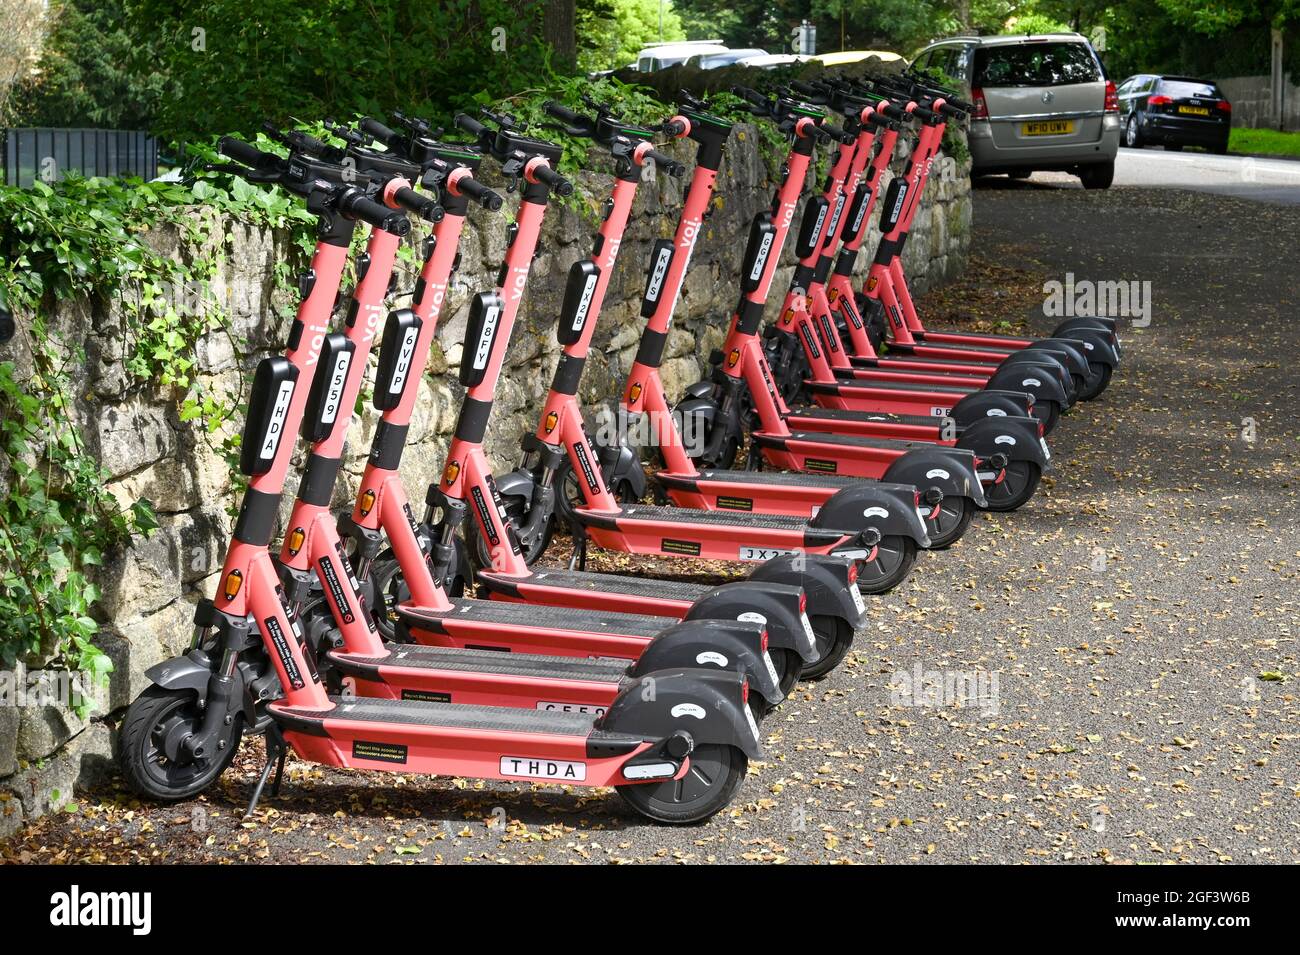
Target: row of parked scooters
[[357, 646]]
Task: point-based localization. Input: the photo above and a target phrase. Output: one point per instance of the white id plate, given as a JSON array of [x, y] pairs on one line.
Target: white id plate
[[856, 594]]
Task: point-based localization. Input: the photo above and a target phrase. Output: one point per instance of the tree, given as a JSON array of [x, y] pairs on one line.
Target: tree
[[86, 76], [614, 33], [26, 23]]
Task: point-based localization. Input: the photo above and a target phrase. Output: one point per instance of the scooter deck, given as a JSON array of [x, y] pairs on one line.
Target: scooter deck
[[798, 418], [911, 363], [525, 665], [766, 439], [903, 350], [830, 482], [834, 387], [488, 677], [487, 742], [681, 594]]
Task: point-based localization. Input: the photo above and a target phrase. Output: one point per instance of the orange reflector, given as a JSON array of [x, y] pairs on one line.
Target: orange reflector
[[451, 472], [296, 537], [367, 502], [234, 580]]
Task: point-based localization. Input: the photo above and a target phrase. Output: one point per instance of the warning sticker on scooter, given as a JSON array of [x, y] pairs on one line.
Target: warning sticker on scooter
[[527, 768], [379, 752], [771, 668], [856, 594], [1047, 453], [687, 548], [753, 723], [735, 503]]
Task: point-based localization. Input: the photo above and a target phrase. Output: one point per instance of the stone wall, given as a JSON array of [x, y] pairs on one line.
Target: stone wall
[[1252, 102], [136, 434]]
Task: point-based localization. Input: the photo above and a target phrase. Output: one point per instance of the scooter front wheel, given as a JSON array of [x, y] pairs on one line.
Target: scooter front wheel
[[895, 556], [152, 751], [949, 523], [708, 786], [1019, 481], [833, 637]]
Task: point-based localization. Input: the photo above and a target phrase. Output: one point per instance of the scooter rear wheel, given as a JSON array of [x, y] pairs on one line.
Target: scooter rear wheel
[[950, 523], [789, 668], [833, 637], [1098, 379], [1019, 481], [150, 749], [715, 773], [895, 556]]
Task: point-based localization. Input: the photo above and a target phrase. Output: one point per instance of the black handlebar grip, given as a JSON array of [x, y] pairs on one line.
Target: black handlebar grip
[[835, 132], [376, 214], [564, 114], [956, 108], [377, 130], [559, 185], [479, 192], [667, 163], [926, 115], [470, 124], [892, 111], [423, 206], [242, 152], [674, 127]]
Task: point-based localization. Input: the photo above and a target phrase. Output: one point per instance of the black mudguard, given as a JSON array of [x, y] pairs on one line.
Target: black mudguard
[[194, 671], [704, 644], [1062, 362], [707, 705], [1085, 321], [778, 606], [1017, 438], [990, 404], [516, 483], [1040, 384], [951, 470], [824, 579], [1098, 344], [889, 509], [620, 465]]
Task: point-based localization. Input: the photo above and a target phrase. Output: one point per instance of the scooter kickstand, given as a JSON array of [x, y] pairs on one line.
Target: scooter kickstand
[[276, 751], [578, 559]]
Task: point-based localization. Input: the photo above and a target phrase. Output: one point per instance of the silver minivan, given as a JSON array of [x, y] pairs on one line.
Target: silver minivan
[[1041, 102]]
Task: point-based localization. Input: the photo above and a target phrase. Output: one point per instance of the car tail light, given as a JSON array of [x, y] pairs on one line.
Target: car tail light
[[1224, 105], [1112, 98], [1159, 101], [981, 104]]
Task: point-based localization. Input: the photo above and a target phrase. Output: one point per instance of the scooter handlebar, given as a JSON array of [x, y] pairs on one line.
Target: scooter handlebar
[[470, 125], [667, 163], [559, 185], [357, 206], [423, 206], [245, 153], [378, 131], [479, 193]]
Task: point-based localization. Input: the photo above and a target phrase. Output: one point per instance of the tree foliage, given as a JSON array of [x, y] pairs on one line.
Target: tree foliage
[[612, 32]]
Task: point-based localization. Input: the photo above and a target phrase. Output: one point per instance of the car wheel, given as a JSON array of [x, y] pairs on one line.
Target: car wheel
[[1098, 175], [1133, 135], [1174, 147]]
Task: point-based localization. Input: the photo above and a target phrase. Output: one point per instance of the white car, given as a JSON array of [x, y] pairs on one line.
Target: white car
[[660, 56], [714, 61]]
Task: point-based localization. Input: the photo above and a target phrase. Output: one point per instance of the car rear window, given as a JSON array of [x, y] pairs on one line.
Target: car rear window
[[1035, 64], [1181, 89]]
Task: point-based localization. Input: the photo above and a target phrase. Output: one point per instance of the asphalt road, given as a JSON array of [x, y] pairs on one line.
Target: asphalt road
[[1138, 617], [1245, 177]]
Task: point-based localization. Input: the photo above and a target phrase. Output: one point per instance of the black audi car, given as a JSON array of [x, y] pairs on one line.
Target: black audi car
[[1174, 111]]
